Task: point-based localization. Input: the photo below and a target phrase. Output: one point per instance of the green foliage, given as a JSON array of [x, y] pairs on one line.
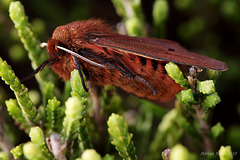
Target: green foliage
[[209, 98], [17, 151], [47, 91], [77, 90], [131, 12], [16, 113], [28, 38], [73, 126], [201, 97], [118, 130], [37, 137], [4, 156], [21, 93], [167, 129], [54, 115]]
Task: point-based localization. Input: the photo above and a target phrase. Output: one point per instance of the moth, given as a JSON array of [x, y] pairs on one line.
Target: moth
[[134, 64]]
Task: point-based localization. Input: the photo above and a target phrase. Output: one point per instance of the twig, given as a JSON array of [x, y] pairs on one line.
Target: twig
[[204, 128], [96, 105], [5, 143]]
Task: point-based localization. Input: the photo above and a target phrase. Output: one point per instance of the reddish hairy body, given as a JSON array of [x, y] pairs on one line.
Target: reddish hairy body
[[138, 57]]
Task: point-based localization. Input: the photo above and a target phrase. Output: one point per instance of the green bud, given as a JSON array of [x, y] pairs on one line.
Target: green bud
[[206, 87], [90, 154], [225, 153], [117, 126], [17, 151], [31, 151], [176, 74], [187, 97], [73, 108], [37, 136], [179, 152], [211, 101], [72, 116], [17, 12]]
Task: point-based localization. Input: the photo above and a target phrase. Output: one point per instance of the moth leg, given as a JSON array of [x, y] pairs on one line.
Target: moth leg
[[126, 72], [135, 76], [76, 62], [147, 83]]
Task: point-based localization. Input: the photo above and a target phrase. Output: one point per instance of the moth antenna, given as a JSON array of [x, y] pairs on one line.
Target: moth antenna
[[49, 61], [44, 44], [81, 57]]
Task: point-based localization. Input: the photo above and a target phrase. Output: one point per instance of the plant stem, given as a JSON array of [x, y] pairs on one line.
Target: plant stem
[[5, 143], [204, 128]]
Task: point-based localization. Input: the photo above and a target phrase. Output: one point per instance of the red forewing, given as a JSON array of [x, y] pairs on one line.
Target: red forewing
[[158, 49]]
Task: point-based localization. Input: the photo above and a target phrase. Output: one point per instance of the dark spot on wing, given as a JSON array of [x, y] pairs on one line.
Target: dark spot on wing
[[105, 49], [143, 61], [154, 64], [170, 49]]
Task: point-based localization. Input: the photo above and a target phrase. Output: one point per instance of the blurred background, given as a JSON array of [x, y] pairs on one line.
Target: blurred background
[[209, 27]]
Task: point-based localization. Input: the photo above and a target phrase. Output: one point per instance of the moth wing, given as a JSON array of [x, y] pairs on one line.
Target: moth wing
[[158, 49]]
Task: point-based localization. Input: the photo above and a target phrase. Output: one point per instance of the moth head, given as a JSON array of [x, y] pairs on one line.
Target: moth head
[[52, 48]]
